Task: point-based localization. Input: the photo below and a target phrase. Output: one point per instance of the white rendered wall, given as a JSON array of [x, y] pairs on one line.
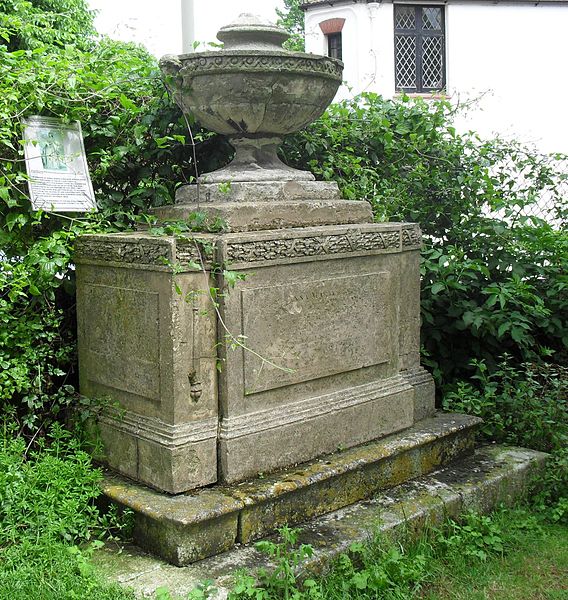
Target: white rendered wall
[[515, 55], [365, 62], [211, 15], [154, 24], [157, 24], [511, 54]]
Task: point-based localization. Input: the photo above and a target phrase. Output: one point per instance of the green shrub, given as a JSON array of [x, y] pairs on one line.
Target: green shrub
[[489, 286], [493, 281], [53, 64], [46, 493], [524, 406]]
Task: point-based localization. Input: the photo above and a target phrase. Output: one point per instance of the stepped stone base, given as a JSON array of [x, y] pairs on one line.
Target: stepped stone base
[[187, 528], [258, 206], [492, 476]]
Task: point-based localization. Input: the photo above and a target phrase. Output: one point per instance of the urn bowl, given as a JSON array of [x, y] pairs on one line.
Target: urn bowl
[[254, 92]]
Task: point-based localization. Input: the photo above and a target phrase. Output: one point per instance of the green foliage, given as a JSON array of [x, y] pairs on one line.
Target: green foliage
[[47, 493], [53, 571], [52, 64], [493, 281], [291, 18], [282, 581], [524, 406], [26, 25], [394, 568], [47, 508], [477, 537], [379, 570]]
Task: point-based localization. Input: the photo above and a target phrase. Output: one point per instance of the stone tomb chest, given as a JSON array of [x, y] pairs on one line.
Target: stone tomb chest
[[316, 349]]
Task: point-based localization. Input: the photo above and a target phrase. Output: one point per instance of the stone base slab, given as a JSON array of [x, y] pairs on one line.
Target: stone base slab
[[256, 216], [187, 528], [257, 191], [492, 476], [267, 205]]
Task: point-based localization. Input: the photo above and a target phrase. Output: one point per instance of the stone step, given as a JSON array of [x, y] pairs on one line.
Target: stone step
[[189, 527], [492, 476]]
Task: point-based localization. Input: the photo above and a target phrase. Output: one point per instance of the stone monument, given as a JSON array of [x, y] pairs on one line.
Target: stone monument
[[314, 349]]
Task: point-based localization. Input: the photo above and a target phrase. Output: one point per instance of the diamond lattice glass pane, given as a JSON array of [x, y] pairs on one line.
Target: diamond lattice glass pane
[[432, 63], [432, 18], [405, 49], [404, 17]]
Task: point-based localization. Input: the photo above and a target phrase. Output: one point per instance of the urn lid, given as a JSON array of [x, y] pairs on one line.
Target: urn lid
[[250, 32]]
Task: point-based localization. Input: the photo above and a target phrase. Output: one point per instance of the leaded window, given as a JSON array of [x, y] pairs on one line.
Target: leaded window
[[419, 48], [335, 46]]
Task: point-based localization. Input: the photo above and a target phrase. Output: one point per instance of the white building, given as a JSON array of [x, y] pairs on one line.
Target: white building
[[510, 54]]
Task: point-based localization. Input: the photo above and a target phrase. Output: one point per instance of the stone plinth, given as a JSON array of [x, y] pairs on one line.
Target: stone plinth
[[317, 348], [141, 345], [330, 319], [190, 527], [260, 205]]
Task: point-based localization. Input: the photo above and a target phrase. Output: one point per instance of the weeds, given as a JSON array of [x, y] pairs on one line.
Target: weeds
[[48, 519], [402, 568], [524, 405]]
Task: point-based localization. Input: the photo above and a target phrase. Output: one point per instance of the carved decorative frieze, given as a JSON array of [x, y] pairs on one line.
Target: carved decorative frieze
[[191, 252], [411, 237], [263, 62], [122, 250], [355, 241]]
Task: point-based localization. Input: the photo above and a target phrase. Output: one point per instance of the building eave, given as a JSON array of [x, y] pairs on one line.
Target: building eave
[[315, 3]]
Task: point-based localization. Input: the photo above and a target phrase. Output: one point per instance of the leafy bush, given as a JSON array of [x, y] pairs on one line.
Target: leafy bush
[[525, 406], [47, 493], [53, 64], [493, 281]]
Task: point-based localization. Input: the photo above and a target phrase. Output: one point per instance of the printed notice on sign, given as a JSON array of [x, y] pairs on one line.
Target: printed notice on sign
[[59, 178]]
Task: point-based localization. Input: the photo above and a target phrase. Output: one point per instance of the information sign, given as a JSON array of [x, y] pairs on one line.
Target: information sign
[[59, 178]]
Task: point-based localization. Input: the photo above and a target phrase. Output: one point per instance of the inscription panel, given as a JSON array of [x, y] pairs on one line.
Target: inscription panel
[[123, 339], [315, 329]]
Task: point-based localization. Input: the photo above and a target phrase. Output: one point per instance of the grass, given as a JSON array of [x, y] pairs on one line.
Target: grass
[[52, 571], [535, 569], [48, 519], [512, 554]]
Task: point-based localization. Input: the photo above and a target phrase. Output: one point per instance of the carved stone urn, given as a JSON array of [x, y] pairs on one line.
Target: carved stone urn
[[254, 92]]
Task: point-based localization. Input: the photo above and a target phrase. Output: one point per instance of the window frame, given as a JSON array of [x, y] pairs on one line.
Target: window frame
[[419, 33], [330, 38]]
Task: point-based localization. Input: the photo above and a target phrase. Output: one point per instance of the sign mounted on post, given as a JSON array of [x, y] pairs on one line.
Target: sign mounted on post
[[59, 178]]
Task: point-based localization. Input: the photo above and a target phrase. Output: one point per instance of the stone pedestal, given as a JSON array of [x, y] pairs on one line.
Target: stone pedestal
[[315, 349], [143, 336], [330, 322]]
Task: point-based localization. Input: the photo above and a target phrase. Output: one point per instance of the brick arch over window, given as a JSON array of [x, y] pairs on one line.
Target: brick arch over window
[[332, 26]]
